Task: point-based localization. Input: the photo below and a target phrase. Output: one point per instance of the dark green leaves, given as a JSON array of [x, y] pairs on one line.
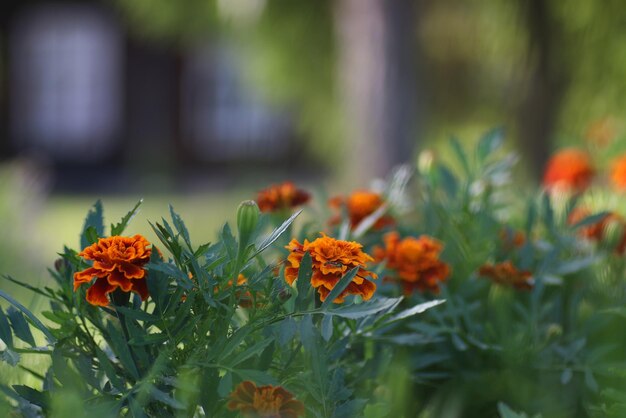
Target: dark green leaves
[[119, 228], [20, 326], [94, 225]]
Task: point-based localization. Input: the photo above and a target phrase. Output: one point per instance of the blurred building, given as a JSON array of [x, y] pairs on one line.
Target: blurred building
[[81, 93]]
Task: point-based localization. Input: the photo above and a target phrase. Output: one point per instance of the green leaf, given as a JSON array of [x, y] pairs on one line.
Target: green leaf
[[164, 398], [339, 287], [107, 367], [274, 235], [148, 339], [20, 326], [121, 226], [590, 220], [327, 327], [287, 328], [489, 143], [506, 412], [303, 283], [137, 314], [28, 286], [307, 332], [225, 387], [120, 347], [10, 356], [460, 155], [36, 322], [33, 396], [94, 219], [449, 181], [5, 329], [256, 376], [360, 310], [252, 351], [572, 266], [180, 227], [417, 309]]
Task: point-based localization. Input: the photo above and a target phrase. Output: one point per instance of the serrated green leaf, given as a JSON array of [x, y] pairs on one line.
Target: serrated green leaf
[[36, 322], [119, 228], [180, 227], [287, 328], [137, 314], [95, 220], [20, 326]]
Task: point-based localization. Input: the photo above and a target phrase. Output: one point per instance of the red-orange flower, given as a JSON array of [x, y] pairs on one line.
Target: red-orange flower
[[618, 173], [269, 401], [359, 205], [281, 196], [331, 259], [507, 274], [415, 260], [117, 264], [569, 169]]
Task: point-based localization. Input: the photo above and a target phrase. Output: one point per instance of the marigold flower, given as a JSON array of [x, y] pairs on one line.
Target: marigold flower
[[331, 259], [569, 169], [506, 273], [269, 401], [281, 196], [618, 173], [359, 205], [512, 239], [117, 263], [415, 260]]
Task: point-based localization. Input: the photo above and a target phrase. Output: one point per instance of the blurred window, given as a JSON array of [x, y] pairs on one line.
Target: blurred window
[[66, 82], [223, 118]]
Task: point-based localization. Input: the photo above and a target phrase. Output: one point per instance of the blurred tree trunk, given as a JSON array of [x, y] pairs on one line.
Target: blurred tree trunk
[[377, 84], [546, 84]]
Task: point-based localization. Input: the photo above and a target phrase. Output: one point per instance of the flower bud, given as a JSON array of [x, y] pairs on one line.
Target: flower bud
[[247, 218]]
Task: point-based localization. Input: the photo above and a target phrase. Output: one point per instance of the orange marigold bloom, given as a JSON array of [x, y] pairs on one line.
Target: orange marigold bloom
[[117, 263], [506, 273], [281, 196], [415, 260], [269, 401], [331, 259], [618, 173], [569, 169], [359, 205], [512, 238]]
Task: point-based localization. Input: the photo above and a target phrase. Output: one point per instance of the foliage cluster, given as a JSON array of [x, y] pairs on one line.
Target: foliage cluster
[[472, 338]]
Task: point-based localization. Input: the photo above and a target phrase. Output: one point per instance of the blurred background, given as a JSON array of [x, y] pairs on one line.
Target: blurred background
[[200, 103]]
